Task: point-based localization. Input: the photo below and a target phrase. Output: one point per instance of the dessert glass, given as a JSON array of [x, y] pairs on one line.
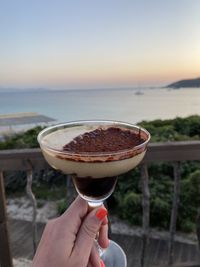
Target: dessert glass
[[95, 173]]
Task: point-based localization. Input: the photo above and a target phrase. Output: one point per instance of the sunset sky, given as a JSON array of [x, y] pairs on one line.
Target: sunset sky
[[94, 44]]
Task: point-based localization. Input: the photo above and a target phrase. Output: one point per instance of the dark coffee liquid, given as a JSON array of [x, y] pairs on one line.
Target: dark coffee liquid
[[95, 188]]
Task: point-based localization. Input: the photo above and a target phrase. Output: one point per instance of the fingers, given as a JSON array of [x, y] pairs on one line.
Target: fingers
[[78, 208], [94, 257], [95, 260], [103, 234], [87, 233], [74, 215], [85, 225]]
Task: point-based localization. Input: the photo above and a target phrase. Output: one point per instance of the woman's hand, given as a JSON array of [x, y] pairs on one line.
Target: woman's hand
[[68, 241]]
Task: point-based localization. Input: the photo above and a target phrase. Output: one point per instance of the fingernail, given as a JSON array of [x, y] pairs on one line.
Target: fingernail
[[101, 213], [102, 264]]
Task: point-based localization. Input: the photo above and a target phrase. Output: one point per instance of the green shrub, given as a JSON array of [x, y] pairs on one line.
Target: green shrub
[[189, 126], [62, 206], [27, 139], [160, 212], [188, 226], [130, 207]]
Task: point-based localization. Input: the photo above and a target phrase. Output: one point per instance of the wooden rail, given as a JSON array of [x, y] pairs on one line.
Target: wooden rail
[[32, 159], [18, 159]]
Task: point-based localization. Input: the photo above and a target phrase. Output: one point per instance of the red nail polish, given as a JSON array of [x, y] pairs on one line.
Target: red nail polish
[[101, 213], [102, 264]]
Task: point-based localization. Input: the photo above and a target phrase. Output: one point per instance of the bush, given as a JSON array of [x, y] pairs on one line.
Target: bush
[[174, 130], [188, 226], [130, 207], [160, 212], [62, 206], [188, 126], [27, 139]]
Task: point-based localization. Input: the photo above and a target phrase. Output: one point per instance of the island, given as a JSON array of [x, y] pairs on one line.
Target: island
[[194, 83]]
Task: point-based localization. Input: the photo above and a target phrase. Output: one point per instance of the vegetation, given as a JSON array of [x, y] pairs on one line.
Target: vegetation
[[126, 201], [26, 139], [178, 129]]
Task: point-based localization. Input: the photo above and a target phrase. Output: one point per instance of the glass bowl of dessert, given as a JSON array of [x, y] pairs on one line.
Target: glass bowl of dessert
[[94, 153]]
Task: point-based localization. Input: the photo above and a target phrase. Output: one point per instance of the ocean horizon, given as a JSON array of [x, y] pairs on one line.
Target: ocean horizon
[[124, 104]]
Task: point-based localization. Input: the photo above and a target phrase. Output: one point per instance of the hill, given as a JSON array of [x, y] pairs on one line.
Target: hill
[[195, 83]]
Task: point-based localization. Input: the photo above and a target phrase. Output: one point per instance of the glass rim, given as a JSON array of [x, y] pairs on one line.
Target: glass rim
[[116, 123]]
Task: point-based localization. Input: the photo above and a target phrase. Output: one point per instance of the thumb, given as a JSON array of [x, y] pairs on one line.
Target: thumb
[[87, 233]]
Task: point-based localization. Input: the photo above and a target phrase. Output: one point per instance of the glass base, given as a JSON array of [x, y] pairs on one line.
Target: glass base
[[114, 256]]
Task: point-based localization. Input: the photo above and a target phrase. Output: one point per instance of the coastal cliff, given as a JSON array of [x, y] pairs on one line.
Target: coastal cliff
[[195, 83]]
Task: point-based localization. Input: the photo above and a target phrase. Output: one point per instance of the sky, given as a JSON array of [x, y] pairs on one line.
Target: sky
[[70, 44]]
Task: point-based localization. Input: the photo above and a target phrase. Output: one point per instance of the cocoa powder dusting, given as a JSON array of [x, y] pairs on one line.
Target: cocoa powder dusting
[[112, 139]]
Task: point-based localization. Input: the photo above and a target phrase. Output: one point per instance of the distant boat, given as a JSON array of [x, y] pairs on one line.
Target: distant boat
[[138, 92]]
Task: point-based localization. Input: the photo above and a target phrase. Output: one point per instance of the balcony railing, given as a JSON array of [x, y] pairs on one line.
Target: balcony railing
[[31, 160]]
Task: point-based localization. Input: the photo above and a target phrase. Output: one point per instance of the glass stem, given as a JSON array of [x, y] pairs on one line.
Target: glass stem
[[99, 249]]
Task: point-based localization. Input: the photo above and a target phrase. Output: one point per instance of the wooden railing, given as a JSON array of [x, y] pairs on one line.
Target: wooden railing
[[31, 160]]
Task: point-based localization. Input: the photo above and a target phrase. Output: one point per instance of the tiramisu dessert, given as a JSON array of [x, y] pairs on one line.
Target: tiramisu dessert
[[94, 153]]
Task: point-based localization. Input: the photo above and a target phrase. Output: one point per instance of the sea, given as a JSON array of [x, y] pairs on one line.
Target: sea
[[130, 105]]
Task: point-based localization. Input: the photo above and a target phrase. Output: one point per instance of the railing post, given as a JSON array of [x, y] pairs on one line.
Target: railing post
[[5, 252], [146, 212], [174, 212], [198, 226], [34, 205]]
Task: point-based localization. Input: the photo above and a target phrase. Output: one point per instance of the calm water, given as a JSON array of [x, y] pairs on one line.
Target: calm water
[[121, 104]]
